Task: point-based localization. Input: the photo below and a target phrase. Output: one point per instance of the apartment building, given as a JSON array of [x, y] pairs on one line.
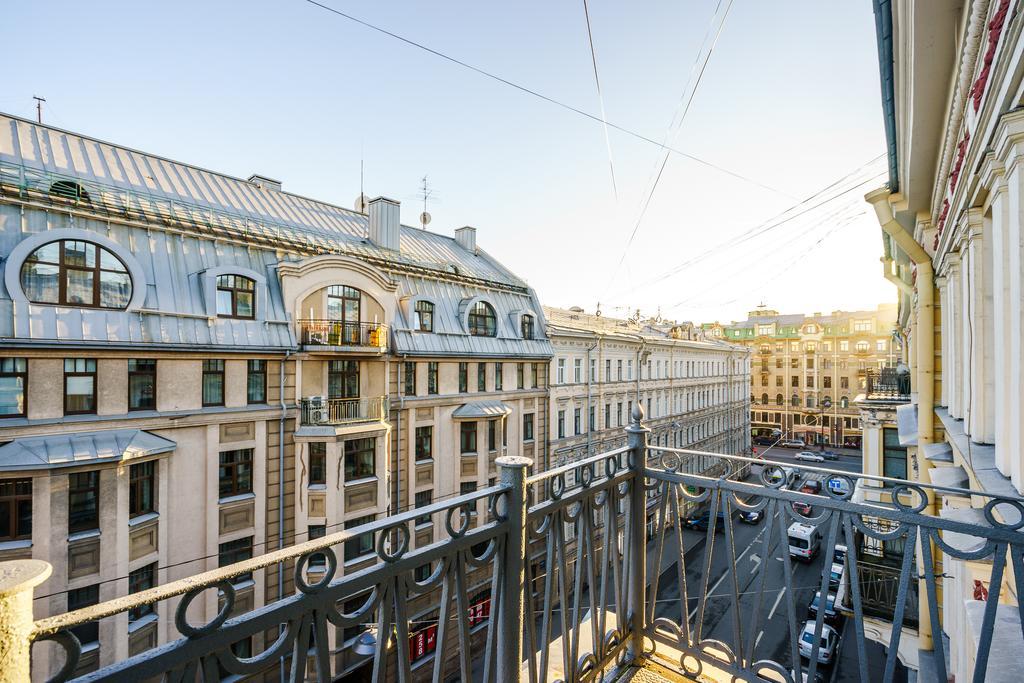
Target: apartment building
[[197, 369], [807, 369], [951, 235], [693, 390]]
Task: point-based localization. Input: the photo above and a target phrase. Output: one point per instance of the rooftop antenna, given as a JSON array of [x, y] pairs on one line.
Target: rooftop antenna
[[426, 192], [598, 309], [362, 201], [39, 107]]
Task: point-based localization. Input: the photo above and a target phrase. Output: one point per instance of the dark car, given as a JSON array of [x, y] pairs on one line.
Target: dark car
[[830, 455], [752, 517], [830, 607], [802, 508], [811, 486], [702, 521]]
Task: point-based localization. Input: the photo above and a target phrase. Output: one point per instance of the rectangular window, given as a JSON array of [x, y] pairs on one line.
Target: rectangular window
[[520, 376], [142, 488], [362, 544], [463, 377], [607, 415], [15, 509], [492, 435], [317, 463], [79, 386], [881, 345], [83, 501], [80, 598], [13, 386], [141, 579], [561, 424], [844, 345], [343, 379], [826, 382], [467, 437], [590, 419], [607, 370], [481, 377], [894, 456], [432, 377], [235, 472], [810, 363], [213, 382], [468, 487], [577, 420], [560, 372], [629, 369], [527, 426], [424, 443], [499, 380], [794, 363], [235, 551], [778, 363], [809, 381], [619, 370], [577, 370], [409, 368], [313, 532], [618, 413], [360, 458], [534, 375], [424, 499], [794, 381], [256, 382], [142, 384], [593, 370], [778, 380]]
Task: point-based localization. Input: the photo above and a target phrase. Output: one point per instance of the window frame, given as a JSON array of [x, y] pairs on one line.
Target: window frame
[[233, 289], [9, 370], [528, 427], [463, 378], [419, 310], [208, 364], [481, 377], [423, 443], [12, 501], [468, 438], [499, 379], [317, 450], [76, 487], [88, 632], [432, 383], [481, 320], [139, 580], [63, 268], [259, 372], [235, 551], [426, 501], [356, 470], [409, 368], [140, 476], [231, 466], [526, 326], [361, 540], [81, 373], [136, 372]]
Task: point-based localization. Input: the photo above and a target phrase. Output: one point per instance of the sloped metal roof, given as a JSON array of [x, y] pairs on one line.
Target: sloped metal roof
[[567, 321], [479, 410], [69, 450]]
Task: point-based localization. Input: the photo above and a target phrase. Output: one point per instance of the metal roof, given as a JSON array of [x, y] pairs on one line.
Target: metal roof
[[69, 450], [479, 410], [568, 322]]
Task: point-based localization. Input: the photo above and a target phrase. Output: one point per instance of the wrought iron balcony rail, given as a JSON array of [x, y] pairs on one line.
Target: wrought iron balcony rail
[[569, 563], [887, 384], [341, 411], [340, 333]]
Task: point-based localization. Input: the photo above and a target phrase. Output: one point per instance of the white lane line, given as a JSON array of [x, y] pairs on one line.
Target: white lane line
[[776, 605], [711, 591], [758, 640]]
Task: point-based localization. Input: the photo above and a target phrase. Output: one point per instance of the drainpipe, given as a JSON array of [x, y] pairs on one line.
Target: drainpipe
[[590, 380], [879, 199], [280, 494]]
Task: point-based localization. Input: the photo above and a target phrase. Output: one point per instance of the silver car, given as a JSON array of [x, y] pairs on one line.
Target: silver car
[[827, 647], [809, 456]]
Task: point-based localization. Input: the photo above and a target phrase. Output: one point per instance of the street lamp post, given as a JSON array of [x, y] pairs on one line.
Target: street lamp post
[[825, 404]]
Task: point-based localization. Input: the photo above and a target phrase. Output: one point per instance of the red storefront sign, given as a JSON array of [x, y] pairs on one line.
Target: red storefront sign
[[424, 641]]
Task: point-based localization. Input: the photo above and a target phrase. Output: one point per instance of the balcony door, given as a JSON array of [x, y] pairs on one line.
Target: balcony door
[[343, 379], [343, 312]]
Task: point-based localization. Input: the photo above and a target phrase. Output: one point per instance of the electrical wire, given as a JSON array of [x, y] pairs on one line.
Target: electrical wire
[[539, 95], [600, 99]]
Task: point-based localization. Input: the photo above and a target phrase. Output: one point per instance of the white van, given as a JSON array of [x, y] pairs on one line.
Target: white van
[[804, 541]]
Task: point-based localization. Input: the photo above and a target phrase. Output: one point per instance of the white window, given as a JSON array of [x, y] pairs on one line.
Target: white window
[[577, 370], [862, 326], [882, 345], [862, 347], [629, 369], [560, 377], [593, 370], [794, 346], [764, 330], [844, 345]]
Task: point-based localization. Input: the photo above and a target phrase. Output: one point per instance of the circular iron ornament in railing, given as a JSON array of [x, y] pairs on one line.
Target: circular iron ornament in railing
[[383, 542], [900, 489], [691, 665], [587, 475], [612, 639], [611, 466], [990, 508], [497, 511], [558, 486], [180, 614], [773, 476], [843, 488], [325, 580], [766, 664], [699, 494], [746, 505], [670, 461], [72, 647], [244, 666], [483, 558], [362, 614], [465, 518], [984, 552], [572, 512], [585, 665]]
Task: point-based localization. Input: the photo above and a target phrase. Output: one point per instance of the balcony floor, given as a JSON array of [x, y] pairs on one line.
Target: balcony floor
[[650, 672]]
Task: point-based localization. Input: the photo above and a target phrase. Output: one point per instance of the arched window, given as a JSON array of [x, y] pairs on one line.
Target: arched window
[[844, 402], [482, 321], [764, 399], [424, 316], [236, 297], [76, 273], [794, 401], [68, 189], [810, 401], [526, 325], [779, 400], [343, 307]]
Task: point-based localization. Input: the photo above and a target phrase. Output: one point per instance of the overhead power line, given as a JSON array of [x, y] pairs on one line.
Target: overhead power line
[[600, 99], [539, 95]]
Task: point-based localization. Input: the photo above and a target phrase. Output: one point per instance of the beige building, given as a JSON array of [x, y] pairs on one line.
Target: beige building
[[197, 369], [807, 369]]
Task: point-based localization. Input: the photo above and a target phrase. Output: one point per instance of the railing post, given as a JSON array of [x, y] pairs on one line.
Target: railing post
[[510, 623], [635, 536], [17, 579]]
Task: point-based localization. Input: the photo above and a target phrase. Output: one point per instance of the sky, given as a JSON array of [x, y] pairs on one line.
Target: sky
[[787, 105]]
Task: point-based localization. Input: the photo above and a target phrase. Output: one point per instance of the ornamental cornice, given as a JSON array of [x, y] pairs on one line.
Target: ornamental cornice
[[1007, 140]]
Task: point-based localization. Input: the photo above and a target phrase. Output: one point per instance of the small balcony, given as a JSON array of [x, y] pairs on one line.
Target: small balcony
[[636, 563], [336, 336], [887, 384], [318, 411]]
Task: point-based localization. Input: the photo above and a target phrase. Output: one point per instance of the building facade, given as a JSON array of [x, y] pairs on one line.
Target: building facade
[[807, 369], [197, 369], [952, 235]]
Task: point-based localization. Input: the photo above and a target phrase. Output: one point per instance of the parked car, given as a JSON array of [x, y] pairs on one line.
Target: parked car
[[811, 486], [826, 647], [839, 554], [802, 508], [752, 517], [835, 575], [830, 607], [830, 455], [809, 456], [793, 443]]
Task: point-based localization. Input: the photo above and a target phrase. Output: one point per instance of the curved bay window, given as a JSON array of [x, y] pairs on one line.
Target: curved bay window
[[526, 325], [482, 321], [424, 316], [236, 297], [76, 273], [343, 306]]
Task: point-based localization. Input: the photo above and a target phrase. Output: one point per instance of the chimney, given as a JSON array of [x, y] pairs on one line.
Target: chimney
[[384, 222], [466, 237], [265, 183]]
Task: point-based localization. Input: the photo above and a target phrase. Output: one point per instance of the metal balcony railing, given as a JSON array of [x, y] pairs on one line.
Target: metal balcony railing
[[338, 333], [887, 384], [539, 579], [341, 411]]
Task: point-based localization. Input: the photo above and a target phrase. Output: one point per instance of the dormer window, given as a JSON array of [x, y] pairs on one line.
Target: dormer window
[[424, 321], [236, 297], [482, 321], [76, 273], [526, 326], [68, 189]]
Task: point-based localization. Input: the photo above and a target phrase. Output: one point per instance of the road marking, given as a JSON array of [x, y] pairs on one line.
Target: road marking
[[757, 563], [776, 605], [757, 641]]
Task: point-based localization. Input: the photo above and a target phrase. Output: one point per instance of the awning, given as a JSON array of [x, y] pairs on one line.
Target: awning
[[481, 410], [69, 450]]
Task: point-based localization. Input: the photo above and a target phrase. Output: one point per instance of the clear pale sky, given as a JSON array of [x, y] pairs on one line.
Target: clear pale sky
[[789, 98]]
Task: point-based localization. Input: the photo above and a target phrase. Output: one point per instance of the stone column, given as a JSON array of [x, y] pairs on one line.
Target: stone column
[[993, 178], [17, 580], [1013, 155], [981, 424], [943, 287]]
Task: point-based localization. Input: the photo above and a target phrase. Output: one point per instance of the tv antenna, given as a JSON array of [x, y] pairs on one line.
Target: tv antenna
[[39, 107], [426, 192]]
